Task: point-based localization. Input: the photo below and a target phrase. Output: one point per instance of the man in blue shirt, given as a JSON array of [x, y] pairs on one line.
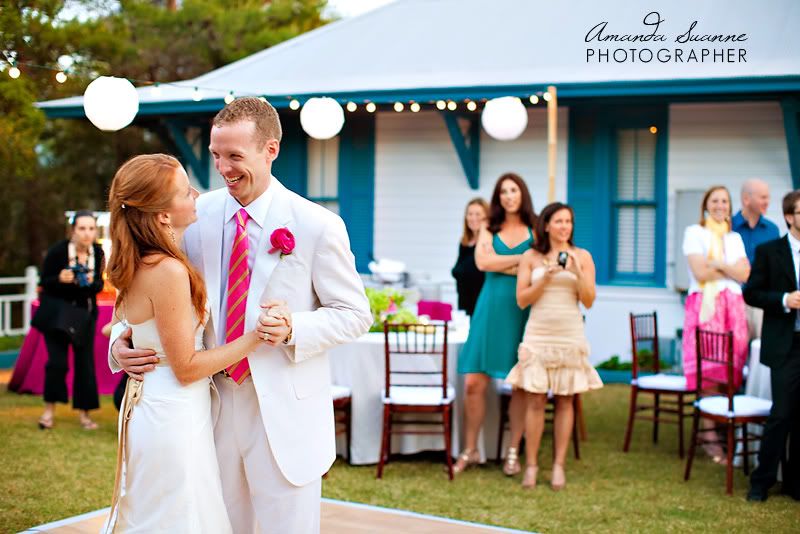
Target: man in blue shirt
[[750, 221], [755, 229]]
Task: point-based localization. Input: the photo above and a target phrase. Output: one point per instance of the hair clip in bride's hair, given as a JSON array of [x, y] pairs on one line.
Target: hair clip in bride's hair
[[123, 205]]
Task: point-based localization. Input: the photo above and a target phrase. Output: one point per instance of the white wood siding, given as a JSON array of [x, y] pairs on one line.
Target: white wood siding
[[421, 189]]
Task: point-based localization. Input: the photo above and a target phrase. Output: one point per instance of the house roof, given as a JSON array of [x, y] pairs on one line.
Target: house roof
[[429, 49]]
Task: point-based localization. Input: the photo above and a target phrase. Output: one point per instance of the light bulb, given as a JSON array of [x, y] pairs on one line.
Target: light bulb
[[14, 72], [440, 104], [371, 107], [414, 107], [534, 99], [229, 98], [547, 97], [352, 106], [451, 106], [294, 105], [472, 106], [398, 106], [653, 129], [61, 77]]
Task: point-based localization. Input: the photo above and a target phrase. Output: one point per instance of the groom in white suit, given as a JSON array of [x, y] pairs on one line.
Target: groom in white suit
[[275, 430]]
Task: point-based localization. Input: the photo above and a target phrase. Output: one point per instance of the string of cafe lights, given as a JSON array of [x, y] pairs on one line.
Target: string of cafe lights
[[61, 76], [112, 103]]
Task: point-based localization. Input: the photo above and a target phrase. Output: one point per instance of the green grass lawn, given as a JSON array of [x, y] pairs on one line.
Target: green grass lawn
[[68, 471]]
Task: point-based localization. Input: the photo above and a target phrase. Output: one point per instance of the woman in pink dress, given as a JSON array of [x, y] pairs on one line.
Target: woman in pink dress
[[717, 267]]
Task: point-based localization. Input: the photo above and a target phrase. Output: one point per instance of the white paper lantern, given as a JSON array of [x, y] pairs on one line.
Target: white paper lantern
[[322, 117], [504, 118], [110, 103]]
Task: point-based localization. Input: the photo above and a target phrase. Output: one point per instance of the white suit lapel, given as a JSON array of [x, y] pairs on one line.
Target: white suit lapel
[[278, 216], [211, 243]]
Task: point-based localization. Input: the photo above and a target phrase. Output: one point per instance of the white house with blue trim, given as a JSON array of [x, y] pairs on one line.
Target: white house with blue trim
[[655, 103]]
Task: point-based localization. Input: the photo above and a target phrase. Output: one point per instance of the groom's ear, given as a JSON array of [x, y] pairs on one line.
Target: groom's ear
[[272, 149]]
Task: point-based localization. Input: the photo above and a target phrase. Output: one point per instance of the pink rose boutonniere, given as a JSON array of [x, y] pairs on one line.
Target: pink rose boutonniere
[[282, 239]]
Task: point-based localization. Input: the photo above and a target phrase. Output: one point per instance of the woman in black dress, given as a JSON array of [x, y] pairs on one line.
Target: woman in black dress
[[72, 276], [469, 280]]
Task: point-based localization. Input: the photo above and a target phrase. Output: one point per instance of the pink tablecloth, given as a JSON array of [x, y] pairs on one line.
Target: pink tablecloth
[[28, 376]]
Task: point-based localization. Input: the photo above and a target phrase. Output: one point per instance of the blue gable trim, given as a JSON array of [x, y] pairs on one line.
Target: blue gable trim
[[467, 147], [357, 185], [746, 87], [791, 125]]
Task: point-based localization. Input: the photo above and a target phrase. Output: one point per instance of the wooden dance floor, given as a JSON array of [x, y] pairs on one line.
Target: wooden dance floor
[[337, 517]]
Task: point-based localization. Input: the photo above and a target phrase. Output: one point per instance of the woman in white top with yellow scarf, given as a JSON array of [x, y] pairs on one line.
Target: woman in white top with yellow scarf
[[717, 267]]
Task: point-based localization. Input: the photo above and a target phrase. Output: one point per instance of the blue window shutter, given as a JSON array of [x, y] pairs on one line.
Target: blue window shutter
[[585, 182], [592, 187], [291, 166], [357, 184]]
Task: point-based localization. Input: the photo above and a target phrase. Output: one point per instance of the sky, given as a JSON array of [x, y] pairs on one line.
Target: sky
[[351, 8], [344, 8]]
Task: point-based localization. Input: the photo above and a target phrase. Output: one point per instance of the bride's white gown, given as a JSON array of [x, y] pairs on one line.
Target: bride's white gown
[[171, 479]]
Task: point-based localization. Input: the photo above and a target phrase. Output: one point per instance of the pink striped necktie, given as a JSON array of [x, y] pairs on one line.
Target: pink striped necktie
[[238, 284]]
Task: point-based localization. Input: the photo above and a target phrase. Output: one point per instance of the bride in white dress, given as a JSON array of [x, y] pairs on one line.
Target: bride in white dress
[[167, 475]]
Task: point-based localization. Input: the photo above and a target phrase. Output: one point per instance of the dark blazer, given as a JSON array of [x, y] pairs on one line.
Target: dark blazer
[[771, 275], [53, 290], [469, 279]]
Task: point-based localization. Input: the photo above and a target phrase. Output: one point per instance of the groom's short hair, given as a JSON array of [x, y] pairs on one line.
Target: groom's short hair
[[257, 110]]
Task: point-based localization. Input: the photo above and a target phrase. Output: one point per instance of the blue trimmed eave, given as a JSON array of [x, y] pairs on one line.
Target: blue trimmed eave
[[748, 87]]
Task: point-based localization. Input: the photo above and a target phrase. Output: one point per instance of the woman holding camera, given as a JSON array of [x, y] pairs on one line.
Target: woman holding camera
[[72, 276], [554, 277]]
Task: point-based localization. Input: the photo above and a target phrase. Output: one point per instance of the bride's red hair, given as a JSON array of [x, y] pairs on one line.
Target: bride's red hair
[[142, 188]]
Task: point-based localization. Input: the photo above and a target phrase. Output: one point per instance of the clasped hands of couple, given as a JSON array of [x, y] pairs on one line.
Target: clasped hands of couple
[[274, 327]]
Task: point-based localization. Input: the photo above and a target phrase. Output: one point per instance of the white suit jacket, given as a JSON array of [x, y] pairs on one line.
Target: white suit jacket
[[322, 288]]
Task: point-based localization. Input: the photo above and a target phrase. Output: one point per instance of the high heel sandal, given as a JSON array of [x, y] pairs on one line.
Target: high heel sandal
[[45, 423], [557, 483], [511, 466], [88, 424], [465, 460], [715, 452], [529, 477]]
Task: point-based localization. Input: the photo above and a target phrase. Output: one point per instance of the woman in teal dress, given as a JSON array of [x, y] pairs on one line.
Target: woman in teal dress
[[498, 323]]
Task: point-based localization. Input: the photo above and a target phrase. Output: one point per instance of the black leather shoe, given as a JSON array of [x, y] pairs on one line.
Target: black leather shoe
[[756, 495], [791, 492]]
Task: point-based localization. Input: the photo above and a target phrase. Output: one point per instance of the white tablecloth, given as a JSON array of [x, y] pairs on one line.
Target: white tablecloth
[[758, 385], [758, 377], [360, 366]]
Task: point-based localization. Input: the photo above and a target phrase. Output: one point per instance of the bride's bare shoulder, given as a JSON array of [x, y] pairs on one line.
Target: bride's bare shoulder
[[163, 270]]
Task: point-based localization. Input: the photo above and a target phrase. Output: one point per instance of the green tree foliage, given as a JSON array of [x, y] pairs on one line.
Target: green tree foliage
[[49, 166]]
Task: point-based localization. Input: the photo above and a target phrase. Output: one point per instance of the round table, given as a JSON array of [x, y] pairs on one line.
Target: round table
[[360, 366], [28, 375]]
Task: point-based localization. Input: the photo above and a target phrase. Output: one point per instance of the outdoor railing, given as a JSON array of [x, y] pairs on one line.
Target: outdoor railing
[[30, 281]]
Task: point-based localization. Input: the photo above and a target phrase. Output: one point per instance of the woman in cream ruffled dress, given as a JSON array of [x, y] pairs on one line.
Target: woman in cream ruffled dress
[[553, 355]]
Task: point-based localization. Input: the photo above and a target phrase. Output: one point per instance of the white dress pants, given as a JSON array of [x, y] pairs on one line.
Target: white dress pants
[[257, 496]]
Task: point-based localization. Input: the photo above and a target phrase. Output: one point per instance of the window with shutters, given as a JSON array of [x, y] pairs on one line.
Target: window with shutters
[[634, 205], [323, 172], [617, 184]]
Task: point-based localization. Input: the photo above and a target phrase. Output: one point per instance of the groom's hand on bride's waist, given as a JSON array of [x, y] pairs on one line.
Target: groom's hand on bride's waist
[[135, 362]]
